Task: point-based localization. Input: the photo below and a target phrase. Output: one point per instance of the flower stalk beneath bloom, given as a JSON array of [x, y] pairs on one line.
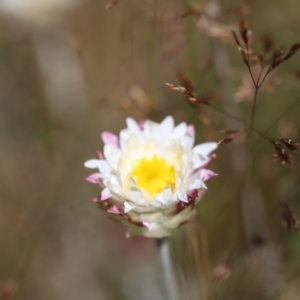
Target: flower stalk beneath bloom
[[168, 273]]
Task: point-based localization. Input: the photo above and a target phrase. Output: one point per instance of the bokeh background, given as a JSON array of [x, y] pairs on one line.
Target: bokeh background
[[72, 69]]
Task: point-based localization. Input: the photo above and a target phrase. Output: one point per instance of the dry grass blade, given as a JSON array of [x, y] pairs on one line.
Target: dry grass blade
[[244, 31], [190, 94], [294, 48], [245, 52], [225, 141], [236, 40], [185, 81], [278, 55], [277, 58]]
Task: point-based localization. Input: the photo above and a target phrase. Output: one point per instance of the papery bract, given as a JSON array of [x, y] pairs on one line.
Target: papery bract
[[152, 175]]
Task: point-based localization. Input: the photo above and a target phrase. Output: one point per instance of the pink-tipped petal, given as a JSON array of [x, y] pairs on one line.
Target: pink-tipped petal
[[100, 155], [209, 160], [94, 178], [191, 130], [105, 194], [142, 124], [110, 138], [206, 174], [193, 195], [114, 210], [149, 226]]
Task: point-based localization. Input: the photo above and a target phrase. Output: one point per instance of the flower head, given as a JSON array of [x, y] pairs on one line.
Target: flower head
[[151, 175]]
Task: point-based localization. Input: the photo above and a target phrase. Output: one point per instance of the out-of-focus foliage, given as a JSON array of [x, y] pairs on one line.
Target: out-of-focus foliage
[[70, 72]]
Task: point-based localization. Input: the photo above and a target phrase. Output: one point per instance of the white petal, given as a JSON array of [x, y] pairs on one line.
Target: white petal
[[197, 184], [136, 196], [127, 207], [182, 195], [133, 125], [205, 149], [92, 163], [158, 231], [149, 226], [113, 155], [152, 130], [105, 194], [164, 196], [102, 165], [167, 125], [180, 130], [114, 180], [114, 184], [132, 183], [187, 141], [133, 147]]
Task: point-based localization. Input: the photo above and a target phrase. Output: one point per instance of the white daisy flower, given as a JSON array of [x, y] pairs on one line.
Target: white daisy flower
[[152, 176]]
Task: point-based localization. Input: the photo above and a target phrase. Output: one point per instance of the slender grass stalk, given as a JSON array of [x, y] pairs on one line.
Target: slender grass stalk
[[153, 53], [168, 274], [191, 45], [243, 159]]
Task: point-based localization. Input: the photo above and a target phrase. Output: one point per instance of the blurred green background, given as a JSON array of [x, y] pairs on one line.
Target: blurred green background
[[69, 71]]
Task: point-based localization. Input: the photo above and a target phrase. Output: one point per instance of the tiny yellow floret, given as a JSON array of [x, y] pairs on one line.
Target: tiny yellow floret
[[153, 175]]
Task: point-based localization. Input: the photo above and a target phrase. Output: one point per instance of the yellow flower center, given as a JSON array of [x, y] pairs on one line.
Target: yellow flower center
[[153, 175]]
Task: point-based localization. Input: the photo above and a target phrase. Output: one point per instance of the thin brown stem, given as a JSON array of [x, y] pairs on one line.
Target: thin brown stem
[[260, 73], [262, 81], [263, 135], [253, 110], [249, 67]]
